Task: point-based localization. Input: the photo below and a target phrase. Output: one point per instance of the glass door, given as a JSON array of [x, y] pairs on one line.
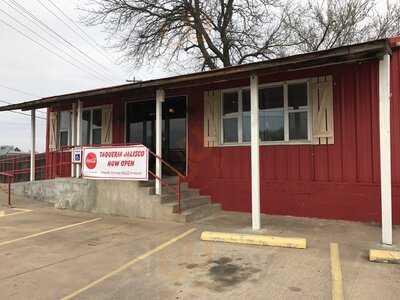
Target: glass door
[[140, 122]]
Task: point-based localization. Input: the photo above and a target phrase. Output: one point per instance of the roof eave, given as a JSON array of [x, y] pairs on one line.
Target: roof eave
[[365, 51]]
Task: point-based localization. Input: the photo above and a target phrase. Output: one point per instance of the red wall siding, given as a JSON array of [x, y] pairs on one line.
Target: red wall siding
[[339, 181]]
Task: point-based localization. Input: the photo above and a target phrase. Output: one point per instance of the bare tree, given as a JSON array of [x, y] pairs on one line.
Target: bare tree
[[325, 24], [208, 33]]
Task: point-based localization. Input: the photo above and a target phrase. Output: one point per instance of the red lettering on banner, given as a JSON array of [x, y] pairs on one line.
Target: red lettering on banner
[[135, 153], [113, 163], [127, 163], [111, 154]]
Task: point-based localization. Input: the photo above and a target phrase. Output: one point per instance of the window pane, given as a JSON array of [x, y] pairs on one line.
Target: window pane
[[63, 138], [86, 127], [230, 130], [97, 118], [297, 95], [96, 136], [271, 125], [271, 97], [246, 128], [65, 120], [298, 126], [271, 114], [177, 134], [230, 103], [246, 100], [136, 132]]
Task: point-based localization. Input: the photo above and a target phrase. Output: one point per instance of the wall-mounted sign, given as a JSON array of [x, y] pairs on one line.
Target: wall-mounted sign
[[76, 156], [116, 163]]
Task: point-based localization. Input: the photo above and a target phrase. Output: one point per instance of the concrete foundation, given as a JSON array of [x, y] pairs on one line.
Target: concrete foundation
[[121, 198]]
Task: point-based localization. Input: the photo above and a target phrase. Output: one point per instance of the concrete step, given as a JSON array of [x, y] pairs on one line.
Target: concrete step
[[171, 189], [189, 203], [187, 193], [172, 180], [200, 212]]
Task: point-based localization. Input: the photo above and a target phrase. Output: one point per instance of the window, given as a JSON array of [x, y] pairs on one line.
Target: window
[[298, 111], [91, 127], [64, 128], [230, 117], [283, 114], [271, 114]]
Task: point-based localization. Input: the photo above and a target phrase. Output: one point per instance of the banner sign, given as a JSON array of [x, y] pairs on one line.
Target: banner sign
[[116, 163]]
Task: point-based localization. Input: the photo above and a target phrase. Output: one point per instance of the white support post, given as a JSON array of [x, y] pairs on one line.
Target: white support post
[[78, 135], [255, 154], [33, 144], [385, 155], [160, 98], [73, 135]]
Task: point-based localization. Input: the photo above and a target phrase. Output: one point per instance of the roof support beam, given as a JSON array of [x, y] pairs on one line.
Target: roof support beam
[[385, 151], [33, 144], [73, 134], [255, 154], [160, 98], [78, 135]]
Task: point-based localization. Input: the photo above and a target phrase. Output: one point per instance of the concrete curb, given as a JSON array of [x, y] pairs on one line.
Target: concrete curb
[[384, 256], [253, 239]]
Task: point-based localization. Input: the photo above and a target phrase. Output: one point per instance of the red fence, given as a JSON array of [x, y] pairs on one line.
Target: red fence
[[55, 164], [47, 166]]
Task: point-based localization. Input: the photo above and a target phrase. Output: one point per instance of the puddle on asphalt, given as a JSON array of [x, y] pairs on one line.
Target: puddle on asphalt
[[223, 273]]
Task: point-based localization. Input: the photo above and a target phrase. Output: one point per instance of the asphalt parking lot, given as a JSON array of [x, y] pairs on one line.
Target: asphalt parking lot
[[58, 254]]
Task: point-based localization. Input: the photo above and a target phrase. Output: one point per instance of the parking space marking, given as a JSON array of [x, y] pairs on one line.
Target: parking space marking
[[19, 211], [129, 264], [336, 273], [48, 231]]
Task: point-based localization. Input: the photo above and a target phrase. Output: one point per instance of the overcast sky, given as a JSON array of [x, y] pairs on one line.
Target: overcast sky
[[36, 72], [29, 72]]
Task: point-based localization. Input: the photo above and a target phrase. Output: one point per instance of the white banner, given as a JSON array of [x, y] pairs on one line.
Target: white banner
[[116, 163]]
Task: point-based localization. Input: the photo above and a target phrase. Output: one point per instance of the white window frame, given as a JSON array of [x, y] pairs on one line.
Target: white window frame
[[237, 115], [286, 110], [69, 130], [91, 109]]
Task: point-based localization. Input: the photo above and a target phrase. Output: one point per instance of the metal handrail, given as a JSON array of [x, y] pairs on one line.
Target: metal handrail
[[10, 179]]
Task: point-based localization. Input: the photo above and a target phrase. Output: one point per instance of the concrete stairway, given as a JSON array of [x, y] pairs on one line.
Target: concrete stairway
[[193, 205]]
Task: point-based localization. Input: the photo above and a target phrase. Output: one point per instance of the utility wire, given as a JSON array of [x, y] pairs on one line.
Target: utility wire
[[24, 114], [19, 91], [89, 39], [10, 103], [48, 49], [18, 7], [69, 26], [49, 42]]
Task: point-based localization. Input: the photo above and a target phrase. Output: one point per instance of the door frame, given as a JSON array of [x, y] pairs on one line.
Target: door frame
[[126, 102]]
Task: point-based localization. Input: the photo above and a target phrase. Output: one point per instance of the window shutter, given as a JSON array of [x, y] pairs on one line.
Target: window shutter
[[106, 128], [321, 92], [211, 118], [53, 130]]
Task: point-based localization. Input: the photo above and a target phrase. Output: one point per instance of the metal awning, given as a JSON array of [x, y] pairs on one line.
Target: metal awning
[[373, 50]]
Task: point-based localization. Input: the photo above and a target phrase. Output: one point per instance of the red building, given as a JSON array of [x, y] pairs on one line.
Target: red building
[[326, 136]]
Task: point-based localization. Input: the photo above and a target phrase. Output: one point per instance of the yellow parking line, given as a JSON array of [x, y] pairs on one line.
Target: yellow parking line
[[336, 273], [47, 231], [128, 264], [19, 212]]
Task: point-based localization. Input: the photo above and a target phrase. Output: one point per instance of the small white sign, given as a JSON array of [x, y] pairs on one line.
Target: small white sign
[[116, 163], [76, 155]]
